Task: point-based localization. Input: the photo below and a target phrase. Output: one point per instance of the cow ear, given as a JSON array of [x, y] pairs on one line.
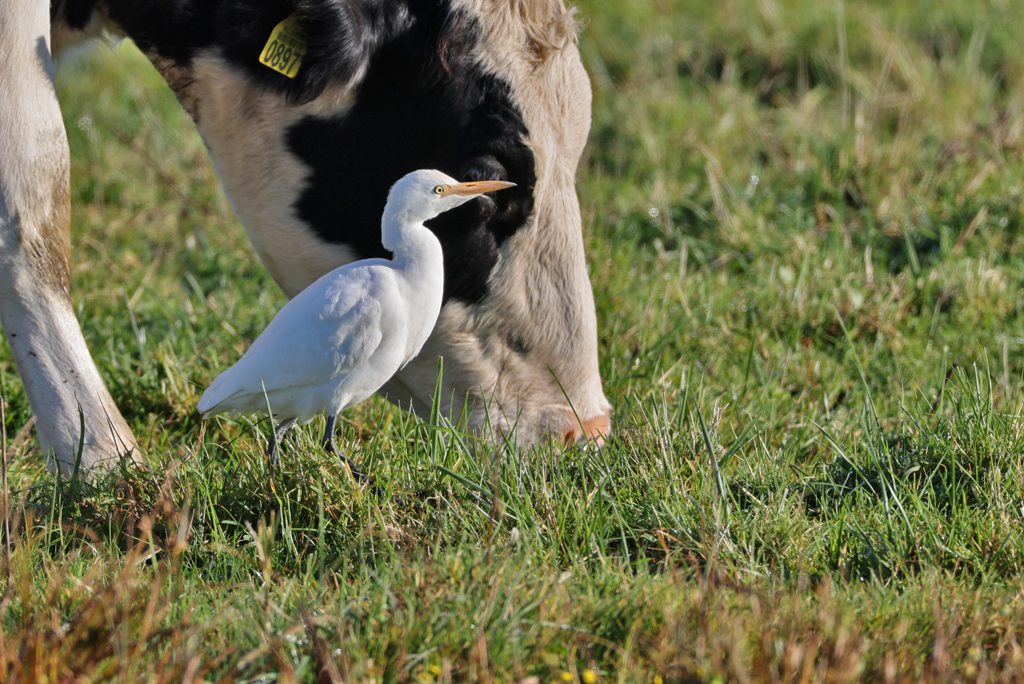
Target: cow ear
[[512, 206], [482, 168]]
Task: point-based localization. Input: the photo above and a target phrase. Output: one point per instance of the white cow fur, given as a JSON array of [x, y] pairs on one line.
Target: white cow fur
[[259, 175]]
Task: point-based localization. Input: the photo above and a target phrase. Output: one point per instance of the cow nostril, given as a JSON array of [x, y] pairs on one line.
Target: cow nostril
[[576, 438], [516, 344]]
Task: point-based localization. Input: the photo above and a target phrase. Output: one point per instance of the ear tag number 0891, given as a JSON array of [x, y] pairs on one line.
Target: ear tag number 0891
[[286, 48]]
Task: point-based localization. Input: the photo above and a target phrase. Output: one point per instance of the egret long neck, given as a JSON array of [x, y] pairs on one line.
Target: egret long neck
[[403, 233], [417, 246], [419, 264]]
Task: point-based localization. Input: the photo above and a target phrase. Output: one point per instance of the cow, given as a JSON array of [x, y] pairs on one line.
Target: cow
[[306, 150]]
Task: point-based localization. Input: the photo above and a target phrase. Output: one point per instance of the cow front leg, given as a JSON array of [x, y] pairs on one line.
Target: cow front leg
[[59, 376]]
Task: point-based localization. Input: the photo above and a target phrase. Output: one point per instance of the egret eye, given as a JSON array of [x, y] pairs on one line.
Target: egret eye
[[439, 190]]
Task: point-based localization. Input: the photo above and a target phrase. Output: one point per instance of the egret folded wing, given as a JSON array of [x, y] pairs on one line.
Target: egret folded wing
[[301, 352]]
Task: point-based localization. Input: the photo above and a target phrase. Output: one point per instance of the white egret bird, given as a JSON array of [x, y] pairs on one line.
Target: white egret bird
[[344, 336]]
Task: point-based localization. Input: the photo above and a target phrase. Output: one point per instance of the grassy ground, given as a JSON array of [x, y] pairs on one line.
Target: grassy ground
[[804, 227]]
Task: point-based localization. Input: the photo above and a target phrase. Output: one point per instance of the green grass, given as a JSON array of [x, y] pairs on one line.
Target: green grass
[[815, 473]]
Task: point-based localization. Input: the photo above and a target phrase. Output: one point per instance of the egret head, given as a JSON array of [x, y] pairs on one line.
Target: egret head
[[421, 195]]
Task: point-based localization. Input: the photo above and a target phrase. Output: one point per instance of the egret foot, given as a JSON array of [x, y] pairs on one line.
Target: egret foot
[[275, 440], [331, 447]]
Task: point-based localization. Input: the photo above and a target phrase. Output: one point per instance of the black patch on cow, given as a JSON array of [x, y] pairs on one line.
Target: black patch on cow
[[424, 102], [76, 12], [174, 29], [341, 35]]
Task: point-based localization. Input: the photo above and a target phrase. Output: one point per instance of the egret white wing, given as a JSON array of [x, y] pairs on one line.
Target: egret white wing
[[328, 329]]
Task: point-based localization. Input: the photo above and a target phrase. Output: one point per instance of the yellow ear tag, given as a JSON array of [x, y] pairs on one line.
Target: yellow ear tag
[[286, 48]]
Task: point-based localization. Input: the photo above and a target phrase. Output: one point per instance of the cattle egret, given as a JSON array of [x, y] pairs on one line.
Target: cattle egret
[[345, 335]]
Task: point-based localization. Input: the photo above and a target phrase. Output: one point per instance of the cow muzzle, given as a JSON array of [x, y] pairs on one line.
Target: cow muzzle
[[588, 432]]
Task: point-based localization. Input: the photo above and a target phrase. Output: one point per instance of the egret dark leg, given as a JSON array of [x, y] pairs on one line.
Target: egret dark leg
[[331, 447], [275, 439]]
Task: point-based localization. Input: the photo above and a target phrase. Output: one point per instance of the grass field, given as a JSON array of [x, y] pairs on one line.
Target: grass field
[[804, 228]]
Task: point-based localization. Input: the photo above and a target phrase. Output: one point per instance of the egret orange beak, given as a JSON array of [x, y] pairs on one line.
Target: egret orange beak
[[478, 187]]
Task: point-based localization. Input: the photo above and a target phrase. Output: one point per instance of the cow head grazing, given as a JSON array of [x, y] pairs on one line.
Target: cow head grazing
[[526, 350], [478, 89]]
